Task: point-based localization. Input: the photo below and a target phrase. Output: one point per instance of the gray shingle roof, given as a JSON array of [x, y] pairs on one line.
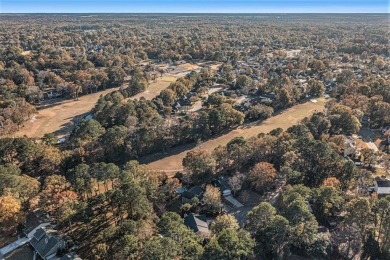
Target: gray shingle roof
[[196, 190], [193, 192], [39, 234], [197, 222], [34, 219], [46, 242], [383, 183]]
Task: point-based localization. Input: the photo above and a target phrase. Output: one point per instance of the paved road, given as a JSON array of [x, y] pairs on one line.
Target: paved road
[[18, 243], [241, 213]]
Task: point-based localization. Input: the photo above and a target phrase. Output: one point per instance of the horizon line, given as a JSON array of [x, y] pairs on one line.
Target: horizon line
[[195, 13]]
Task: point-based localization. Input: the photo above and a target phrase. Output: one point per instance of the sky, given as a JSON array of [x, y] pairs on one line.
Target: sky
[[194, 6]]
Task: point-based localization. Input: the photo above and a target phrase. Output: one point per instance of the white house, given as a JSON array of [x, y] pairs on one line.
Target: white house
[[292, 53], [382, 187], [349, 146]]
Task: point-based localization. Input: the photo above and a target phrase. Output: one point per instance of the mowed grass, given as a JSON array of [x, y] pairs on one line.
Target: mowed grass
[[173, 160], [169, 79], [153, 90], [57, 118]]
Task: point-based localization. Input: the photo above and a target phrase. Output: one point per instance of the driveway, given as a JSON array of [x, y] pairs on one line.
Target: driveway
[[241, 213], [18, 243]]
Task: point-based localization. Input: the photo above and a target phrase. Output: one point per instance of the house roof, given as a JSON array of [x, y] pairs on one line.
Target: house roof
[[34, 219], [188, 195], [383, 183], [197, 222], [46, 242], [196, 190], [193, 192], [39, 234], [221, 185]]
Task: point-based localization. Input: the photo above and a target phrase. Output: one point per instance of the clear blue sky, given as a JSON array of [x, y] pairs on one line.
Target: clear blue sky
[[194, 6]]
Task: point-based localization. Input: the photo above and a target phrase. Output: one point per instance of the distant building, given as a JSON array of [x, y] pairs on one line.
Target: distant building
[[225, 190], [382, 187], [349, 146], [193, 192], [293, 53], [198, 223]]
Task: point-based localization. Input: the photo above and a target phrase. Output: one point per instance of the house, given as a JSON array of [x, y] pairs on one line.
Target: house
[[292, 53], [47, 242], [225, 190], [198, 223], [382, 187], [191, 193], [34, 221], [41, 241], [349, 146]]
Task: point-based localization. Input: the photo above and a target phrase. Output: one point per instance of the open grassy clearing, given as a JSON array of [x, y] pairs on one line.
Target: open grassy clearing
[[153, 90], [173, 159], [169, 79], [57, 118], [185, 67]]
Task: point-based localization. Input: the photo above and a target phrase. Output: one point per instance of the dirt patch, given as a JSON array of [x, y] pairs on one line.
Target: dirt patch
[[173, 159]]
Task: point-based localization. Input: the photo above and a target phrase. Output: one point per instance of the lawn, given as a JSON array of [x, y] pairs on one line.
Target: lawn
[[153, 89], [169, 79], [172, 161], [57, 117]]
